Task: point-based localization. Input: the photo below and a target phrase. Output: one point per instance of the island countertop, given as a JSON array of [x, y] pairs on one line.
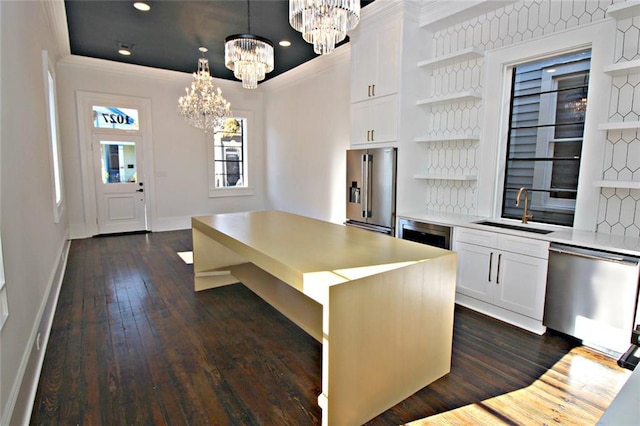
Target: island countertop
[[308, 253]]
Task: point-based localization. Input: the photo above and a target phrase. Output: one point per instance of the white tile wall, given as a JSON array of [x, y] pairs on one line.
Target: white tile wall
[[619, 210]]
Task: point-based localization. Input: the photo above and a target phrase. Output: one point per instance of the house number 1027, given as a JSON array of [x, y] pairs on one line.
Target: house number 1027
[[117, 118]]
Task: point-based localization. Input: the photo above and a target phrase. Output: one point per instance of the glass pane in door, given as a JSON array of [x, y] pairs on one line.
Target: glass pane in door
[[118, 161]]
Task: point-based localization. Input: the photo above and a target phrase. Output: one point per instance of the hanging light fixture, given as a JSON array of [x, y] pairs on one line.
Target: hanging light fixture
[[250, 57], [203, 106], [324, 23]]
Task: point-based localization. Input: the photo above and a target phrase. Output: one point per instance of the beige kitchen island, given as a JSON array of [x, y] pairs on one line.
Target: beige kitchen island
[[381, 307]]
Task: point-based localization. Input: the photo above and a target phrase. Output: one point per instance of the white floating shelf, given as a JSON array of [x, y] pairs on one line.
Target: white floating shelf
[[623, 68], [617, 184], [620, 125], [454, 137], [445, 177], [459, 56], [456, 97], [626, 9]]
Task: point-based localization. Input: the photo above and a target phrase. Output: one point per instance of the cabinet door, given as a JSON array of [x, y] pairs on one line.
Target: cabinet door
[[375, 121], [521, 284], [361, 122], [475, 275], [363, 66], [375, 61], [389, 51], [384, 119]]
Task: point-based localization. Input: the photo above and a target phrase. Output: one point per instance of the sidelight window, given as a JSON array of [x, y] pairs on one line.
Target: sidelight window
[[546, 128]]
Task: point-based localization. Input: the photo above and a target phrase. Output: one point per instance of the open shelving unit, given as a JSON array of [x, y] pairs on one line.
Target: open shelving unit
[[450, 138], [626, 9], [463, 177], [617, 184], [455, 97], [459, 56]]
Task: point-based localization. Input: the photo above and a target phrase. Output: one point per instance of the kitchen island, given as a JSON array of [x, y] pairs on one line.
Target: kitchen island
[[381, 307]]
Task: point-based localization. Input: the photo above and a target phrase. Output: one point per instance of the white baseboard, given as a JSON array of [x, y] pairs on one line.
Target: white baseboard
[[171, 223], [23, 392]]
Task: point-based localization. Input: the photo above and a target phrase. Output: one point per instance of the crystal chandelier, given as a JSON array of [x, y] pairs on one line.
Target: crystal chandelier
[[250, 57], [203, 106], [324, 23]]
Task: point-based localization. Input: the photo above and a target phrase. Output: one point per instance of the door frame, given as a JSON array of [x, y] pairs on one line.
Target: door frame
[[84, 102]]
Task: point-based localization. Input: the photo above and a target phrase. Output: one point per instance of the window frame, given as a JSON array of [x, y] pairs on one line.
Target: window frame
[[548, 70], [599, 37], [55, 151], [233, 191]]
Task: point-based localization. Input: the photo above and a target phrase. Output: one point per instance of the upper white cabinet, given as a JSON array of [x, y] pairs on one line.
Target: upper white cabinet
[[380, 76], [375, 60], [375, 121]]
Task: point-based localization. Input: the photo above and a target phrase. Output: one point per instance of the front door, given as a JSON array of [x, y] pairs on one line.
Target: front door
[[119, 182]]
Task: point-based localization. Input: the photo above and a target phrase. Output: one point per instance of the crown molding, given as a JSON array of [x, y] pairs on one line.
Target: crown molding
[[120, 68], [310, 68], [57, 18]]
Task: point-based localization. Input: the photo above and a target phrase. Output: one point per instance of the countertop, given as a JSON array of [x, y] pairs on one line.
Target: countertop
[[310, 250], [593, 240]]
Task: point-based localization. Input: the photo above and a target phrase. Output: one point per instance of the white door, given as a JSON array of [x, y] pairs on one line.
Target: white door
[[119, 179]]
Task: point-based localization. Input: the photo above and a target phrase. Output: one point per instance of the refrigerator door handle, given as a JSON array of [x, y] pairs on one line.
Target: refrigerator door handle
[[365, 184], [367, 164]]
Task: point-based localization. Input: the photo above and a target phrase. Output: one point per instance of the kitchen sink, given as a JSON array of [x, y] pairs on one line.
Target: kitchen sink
[[514, 227]]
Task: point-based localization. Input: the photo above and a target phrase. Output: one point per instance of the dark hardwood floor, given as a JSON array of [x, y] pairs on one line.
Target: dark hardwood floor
[[133, 344]]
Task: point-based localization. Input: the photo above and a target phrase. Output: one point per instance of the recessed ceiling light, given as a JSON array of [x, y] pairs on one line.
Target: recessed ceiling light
[[551, 70], [285, 43], [140, 5], [124, 48]]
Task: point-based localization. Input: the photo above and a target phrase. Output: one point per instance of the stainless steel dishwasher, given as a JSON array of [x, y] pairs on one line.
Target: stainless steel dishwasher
[[592, 295]]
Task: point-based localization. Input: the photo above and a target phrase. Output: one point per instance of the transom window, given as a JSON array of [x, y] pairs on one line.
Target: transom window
[[115, 118], [546, 127]]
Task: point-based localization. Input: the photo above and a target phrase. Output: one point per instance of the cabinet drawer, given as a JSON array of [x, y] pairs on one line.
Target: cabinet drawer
[[473, 236], [524, 246]]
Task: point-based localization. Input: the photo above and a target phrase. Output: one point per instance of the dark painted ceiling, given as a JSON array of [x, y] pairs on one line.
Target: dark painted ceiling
[[168, 36]]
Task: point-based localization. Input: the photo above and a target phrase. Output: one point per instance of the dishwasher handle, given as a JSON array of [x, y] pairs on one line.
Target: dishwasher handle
[[594, 255]]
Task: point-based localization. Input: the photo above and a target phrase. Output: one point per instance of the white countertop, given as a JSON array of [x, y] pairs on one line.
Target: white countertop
[[593, 240]]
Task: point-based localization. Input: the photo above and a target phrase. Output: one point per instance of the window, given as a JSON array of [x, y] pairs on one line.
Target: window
[[546, 127], [54, 146], [228, 168], [115, 118]]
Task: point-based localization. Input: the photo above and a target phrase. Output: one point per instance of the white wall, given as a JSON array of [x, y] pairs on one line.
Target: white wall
[[33, 244], [307, 117], [180, 185]]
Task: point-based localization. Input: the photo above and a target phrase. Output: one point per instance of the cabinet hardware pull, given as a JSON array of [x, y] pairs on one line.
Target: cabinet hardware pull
[[490, 263], [373, 90], [372, 135], [498, 273], [369, 90]]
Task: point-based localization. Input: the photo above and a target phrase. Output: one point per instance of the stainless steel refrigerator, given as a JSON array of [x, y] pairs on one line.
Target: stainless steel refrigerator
[[371, 189]]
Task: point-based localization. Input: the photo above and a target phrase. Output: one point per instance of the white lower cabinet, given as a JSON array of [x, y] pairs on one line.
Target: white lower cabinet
[[506, 274]]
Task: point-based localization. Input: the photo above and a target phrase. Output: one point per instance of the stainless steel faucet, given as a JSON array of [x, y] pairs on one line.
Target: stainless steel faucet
[[525, 212]]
